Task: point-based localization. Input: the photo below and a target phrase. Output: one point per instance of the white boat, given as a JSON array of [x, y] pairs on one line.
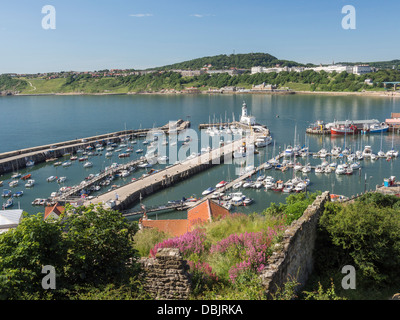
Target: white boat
[[30, 163], [267, 166], [162, 159], [340, 169], [61, 179], [13, 183], [51, 178], [257, 184], [248, 184], [263, 141], [300, 187], [319, 169], [16, 175], [88, 164], [306, 168], [30, 183], [247, 201], [208, 191], [139, 151], [108, 154], [367, 152], [392, 153], [355, 165], [237, 185], [66, 163], [288, 151], [8, 203]]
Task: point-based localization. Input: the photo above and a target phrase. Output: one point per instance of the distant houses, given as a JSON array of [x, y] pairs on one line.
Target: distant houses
[[356, 69]]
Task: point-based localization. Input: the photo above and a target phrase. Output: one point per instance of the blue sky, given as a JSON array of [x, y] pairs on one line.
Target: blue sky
[[94, 35]]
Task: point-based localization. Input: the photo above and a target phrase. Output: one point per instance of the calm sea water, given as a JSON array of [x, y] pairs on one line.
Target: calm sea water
[[35, 120]]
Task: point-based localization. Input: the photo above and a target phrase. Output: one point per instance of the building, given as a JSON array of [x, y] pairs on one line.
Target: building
[[245, 118], [9, 219], [53, 211], [361, 69], [206, 211]]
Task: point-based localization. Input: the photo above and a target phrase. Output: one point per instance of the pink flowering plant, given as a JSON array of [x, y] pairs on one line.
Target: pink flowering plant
[[247, 251]]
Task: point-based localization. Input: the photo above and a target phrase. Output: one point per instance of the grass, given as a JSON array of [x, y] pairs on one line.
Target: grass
[[298, 86]]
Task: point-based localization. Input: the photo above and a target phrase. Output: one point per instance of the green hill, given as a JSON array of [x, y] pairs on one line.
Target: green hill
[[223, 61]]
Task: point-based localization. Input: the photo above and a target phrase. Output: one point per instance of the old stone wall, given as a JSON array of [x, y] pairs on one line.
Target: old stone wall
[[166, 276], [293, 257]]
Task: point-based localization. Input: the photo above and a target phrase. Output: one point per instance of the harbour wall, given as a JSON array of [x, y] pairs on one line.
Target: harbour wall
[[166, 181], [15, 160], [293, 257]]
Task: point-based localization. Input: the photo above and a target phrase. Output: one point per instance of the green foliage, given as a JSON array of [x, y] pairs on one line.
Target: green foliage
[[294, 207], [90, 247], [145, 240], [320, 294], [367, 232], [9, 83]]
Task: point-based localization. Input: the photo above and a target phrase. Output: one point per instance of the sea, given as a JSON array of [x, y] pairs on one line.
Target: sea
[[28, 121]]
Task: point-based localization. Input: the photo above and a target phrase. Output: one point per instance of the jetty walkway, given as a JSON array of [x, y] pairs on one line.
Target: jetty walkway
[[136, 190]]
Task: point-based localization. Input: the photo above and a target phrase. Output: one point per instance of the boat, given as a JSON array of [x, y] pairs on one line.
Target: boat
[[6, 193], [13, 183], [392, 153], [267, 166], [237, 185], [51, 178], [208, 191], [108, 154], [221, 184], [300, 187], [355, 165], [240, 152], [139, 151], [344, 129], [16, 175], [124, 155], [367, 152], [30, 163], [18, 194], [87, 164], [349, 170], [8, 203], [162, 159], [61, 179], [263, 141], [340, 169], [26, 177], [319, 169], [58, 163], [66, 163], [247, 201], [288, 151], [248, 184], [378, 128], [278, 186], [30, 183]]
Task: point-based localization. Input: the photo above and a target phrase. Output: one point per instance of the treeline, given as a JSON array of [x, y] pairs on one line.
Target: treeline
[[317, 81], [12, 84], [240, 61]]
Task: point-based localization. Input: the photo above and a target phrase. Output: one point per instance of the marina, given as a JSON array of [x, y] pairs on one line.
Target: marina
[[304, 159]]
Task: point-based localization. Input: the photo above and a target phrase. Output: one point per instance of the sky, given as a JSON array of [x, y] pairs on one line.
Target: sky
[[93, 35]]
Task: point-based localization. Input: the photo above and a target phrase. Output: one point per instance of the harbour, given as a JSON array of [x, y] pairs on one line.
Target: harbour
[[281, 129]]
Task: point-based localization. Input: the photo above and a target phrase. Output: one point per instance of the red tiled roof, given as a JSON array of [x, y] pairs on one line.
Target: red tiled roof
[[57, 209], [206, 211], [173, 227]]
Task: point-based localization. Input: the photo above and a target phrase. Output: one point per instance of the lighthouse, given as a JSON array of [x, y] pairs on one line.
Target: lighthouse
[[245, 118]]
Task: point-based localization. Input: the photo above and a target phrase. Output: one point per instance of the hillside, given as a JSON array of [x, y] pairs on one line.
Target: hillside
[[240, 61]]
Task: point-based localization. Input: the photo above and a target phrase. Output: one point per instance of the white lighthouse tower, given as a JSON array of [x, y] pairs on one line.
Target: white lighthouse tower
[[245, 118]]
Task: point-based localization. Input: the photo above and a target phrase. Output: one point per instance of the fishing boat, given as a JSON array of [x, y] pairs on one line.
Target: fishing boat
[[344, 129], [208, 191], [263, 141], [378, 128]]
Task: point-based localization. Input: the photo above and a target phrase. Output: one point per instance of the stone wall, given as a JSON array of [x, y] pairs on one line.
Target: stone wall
[[166, 276], [293, 257]]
